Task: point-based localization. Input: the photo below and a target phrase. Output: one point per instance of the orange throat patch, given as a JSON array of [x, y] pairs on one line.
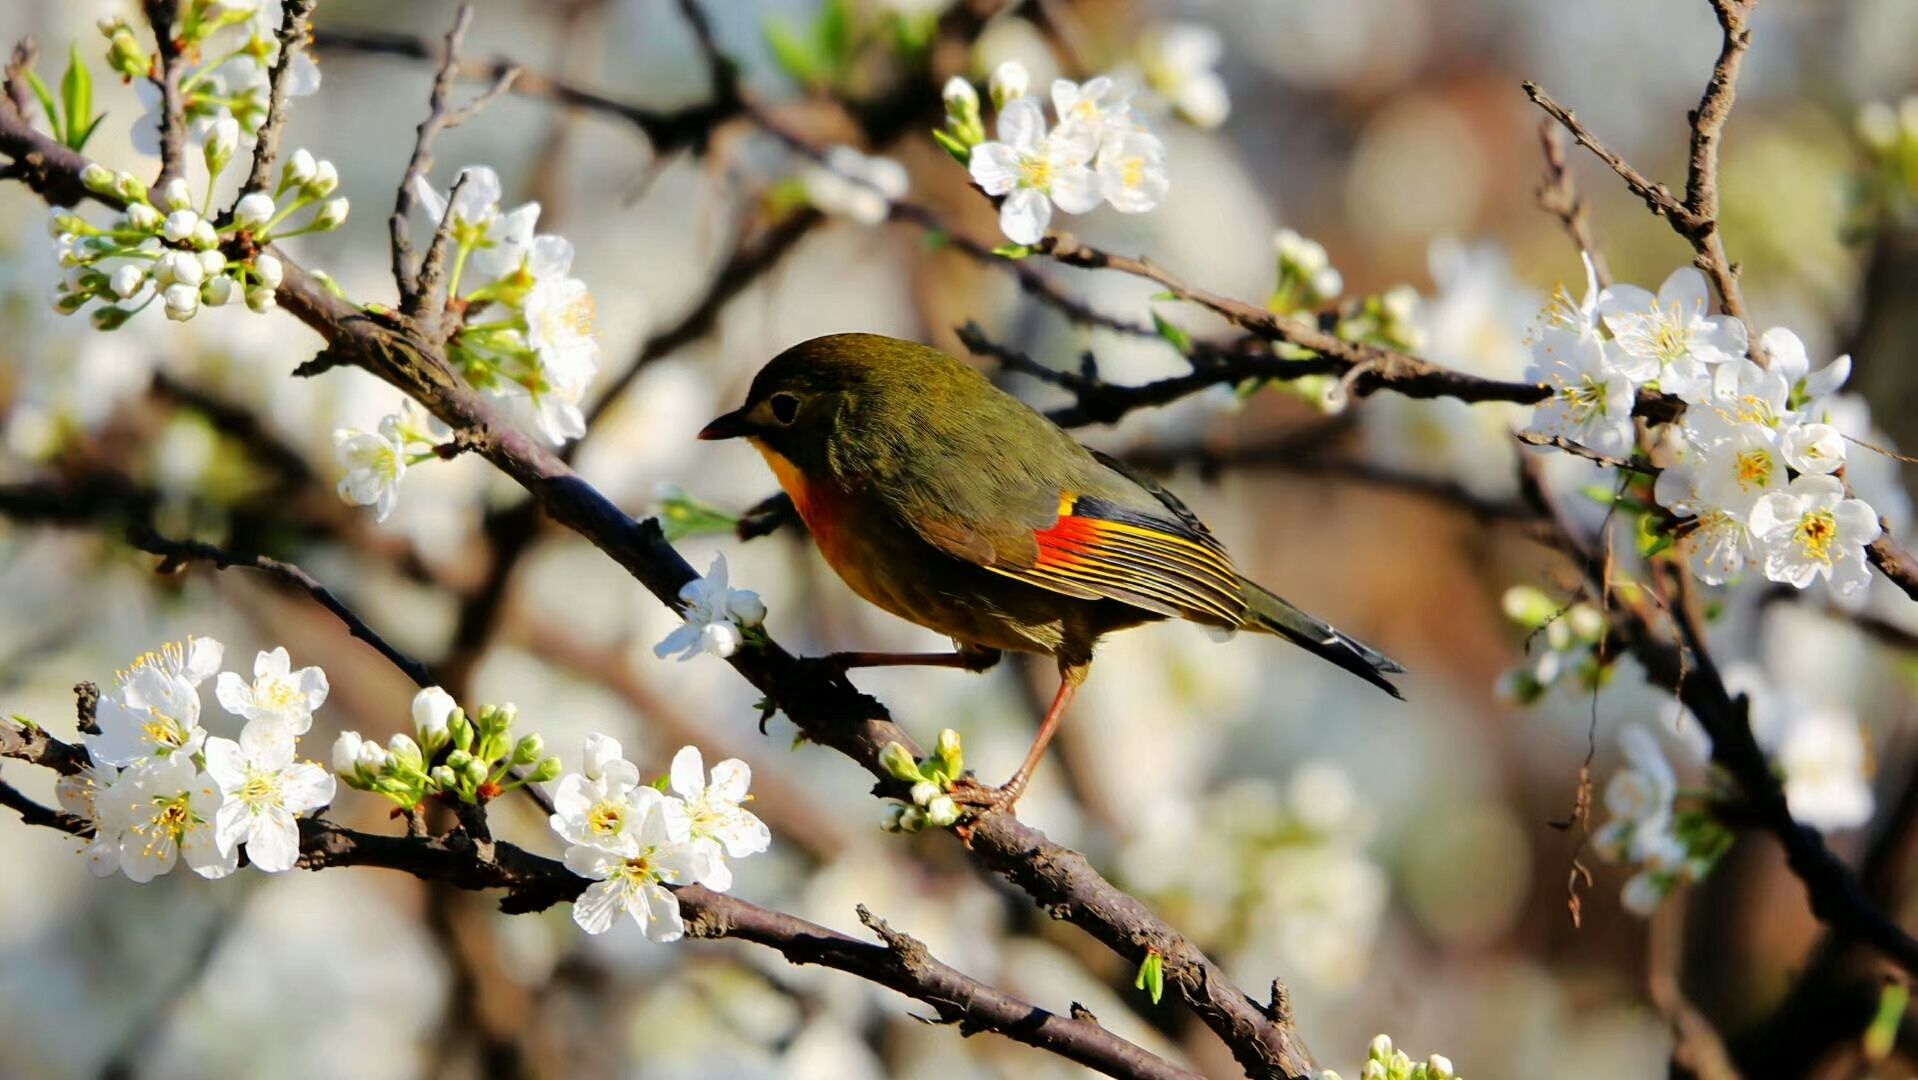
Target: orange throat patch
[[818, 503]]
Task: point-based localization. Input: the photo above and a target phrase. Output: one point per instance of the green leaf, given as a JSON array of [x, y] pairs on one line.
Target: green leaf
[[833, 36], [81, 142], [935, 239], [1167, 295], [1179, 339], [793, 54], [1152, 976], [1012, 251], [46, 103], [960, 151], [76, 91]]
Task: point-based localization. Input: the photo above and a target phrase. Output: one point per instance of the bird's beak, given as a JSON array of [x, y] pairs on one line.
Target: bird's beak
[[730, 426]]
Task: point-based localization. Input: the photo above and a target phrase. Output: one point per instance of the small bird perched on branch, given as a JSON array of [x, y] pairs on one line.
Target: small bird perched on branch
[[952, 504]]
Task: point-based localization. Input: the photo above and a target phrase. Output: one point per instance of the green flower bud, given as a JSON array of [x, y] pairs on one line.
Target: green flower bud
[[461, 729], [445, 779], [924, 792], [899, 764], [547, 770], [130, 187], [110, 318], [476, 771], [98, 178], [528, 750], [952, 754], [458, 759]]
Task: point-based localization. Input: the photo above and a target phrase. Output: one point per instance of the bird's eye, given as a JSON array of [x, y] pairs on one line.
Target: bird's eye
[[784, 406]]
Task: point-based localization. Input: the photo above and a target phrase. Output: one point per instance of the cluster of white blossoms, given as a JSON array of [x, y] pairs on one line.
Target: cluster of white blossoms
[[634, 840], [1385, 1062], [1306, 279], [527, 333], [718, 616], [1097, 151], [239, 41], [1562, 640], [1645, 826], [1749, 466], [159, 789], [166, 245], [449, 756]]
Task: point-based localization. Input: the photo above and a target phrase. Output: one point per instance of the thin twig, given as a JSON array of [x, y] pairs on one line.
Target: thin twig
[[411, 296], [296, 21], [160, 15], [1558, 196], [176, 552]]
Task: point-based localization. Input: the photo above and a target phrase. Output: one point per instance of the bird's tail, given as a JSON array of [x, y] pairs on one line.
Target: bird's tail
[[1272, 614]]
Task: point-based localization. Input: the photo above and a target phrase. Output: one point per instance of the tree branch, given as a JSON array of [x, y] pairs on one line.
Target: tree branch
[[160, 15], [533, 883]]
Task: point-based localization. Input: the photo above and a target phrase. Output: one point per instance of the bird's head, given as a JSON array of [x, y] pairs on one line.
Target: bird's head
[[819, 396]]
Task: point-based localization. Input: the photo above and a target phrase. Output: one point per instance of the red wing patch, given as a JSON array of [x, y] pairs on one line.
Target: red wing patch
[[1101, 550]]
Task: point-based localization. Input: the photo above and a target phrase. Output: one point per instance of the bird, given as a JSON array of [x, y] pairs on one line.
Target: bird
[[948, 502]]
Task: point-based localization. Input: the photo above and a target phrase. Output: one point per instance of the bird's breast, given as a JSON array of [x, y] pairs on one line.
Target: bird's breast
[[822, 505]]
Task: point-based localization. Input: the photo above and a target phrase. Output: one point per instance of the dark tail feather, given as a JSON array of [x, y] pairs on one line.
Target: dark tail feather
[[1270, 613]]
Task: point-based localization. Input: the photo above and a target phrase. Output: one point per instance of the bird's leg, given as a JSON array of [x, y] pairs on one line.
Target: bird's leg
[[1005, 796], [966, 657]]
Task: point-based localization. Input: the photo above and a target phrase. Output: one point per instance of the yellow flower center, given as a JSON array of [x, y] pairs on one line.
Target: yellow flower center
[[274, 693], [1035, 172], [1816, 533], [606, 818], [1671, 334], [261, 790], [1132, 172], [1584, 399], [1753, 469], [168, 822], [574, 319], [163, 730]]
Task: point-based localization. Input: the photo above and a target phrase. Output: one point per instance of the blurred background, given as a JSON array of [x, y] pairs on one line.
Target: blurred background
[[1398, 865]]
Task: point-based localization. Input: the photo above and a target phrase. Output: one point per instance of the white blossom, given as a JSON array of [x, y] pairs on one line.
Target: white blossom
[[716, 809], [1812, 530], [597, 807], [155, 710], [1822, 755], [1591, 402], [375, 462], [1098, 104], [80, 795], [1181, 62], [715, 614], [277, 693], [1132, 173], [1670, 337], [263, 790], [165, 807], [661, 853], [1034, 170], [1717, 543]]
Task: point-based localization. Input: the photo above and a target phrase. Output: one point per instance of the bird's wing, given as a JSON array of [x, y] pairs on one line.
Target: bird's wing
[[1109, 534]]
